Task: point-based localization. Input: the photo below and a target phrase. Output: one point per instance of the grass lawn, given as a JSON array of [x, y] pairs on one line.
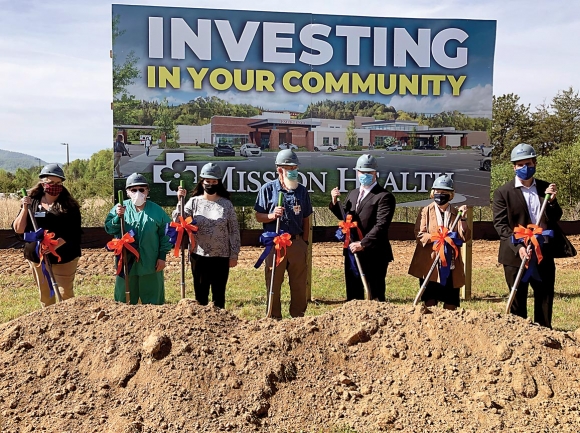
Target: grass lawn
[[246, 293]]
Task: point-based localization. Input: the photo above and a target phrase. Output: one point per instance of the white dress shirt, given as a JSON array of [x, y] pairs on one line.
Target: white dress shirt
[[532, 200]]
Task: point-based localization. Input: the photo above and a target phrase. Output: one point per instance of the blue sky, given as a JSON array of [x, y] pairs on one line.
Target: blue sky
[[55, 70]]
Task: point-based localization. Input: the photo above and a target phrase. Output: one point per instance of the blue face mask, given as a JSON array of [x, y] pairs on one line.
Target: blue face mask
[[365, 179], [526, 172], [292, 174]]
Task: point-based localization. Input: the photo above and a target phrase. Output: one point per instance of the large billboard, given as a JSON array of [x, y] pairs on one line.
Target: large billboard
[[234, 87]]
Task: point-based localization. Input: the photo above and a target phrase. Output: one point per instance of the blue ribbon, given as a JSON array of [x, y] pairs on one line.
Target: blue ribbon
[[267, 240], [532, 271], [349, 254], [445, 271], [130, 256]]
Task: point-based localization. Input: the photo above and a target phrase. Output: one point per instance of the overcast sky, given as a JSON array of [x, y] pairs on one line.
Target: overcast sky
[[55, 70]]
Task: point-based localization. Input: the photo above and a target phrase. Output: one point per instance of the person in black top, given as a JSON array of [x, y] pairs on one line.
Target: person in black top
[[56, 211]]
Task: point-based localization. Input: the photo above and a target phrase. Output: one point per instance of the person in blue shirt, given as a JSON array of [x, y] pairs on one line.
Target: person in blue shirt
[[293, 214]]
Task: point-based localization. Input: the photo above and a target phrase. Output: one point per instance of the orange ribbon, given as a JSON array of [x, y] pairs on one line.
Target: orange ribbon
[[117, 245], [439, 239], [181, 226], [345, 226], [280, 243], [48, 245], [529, 235]]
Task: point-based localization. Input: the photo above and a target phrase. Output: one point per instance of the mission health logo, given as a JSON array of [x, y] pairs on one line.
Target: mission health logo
[[173, 172]]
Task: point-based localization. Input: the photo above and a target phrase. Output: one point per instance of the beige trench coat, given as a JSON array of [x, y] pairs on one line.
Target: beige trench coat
[[424, 255]]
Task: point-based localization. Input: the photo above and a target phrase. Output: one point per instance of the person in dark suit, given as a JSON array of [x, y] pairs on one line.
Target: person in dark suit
[[518, 202], [372, 208]]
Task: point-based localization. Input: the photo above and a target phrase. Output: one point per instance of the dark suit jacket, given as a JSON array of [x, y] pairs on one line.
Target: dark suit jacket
[[373, 216], [510, 209]]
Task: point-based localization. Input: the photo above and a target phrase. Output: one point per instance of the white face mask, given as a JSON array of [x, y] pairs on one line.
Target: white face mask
[[138, 198]]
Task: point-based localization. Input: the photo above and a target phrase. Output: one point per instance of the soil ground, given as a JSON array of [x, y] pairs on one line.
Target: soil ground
[[93, 365]]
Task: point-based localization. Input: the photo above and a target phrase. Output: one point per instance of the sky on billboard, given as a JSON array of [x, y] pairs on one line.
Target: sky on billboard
[[55, 74]]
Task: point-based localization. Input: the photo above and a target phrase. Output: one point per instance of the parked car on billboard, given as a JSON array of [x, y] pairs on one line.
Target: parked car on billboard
[[394, 147], [223, 150], [288, 146], [485, 164], [325, 147], [250, 149], [486, 151]]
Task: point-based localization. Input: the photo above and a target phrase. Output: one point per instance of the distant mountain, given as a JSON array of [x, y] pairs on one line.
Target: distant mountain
[[10, 161]]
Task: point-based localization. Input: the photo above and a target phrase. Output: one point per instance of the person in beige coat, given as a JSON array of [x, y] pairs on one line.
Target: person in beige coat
[[436, 214]]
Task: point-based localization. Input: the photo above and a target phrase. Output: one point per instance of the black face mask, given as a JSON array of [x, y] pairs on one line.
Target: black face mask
[[441, 199], [210, 189]]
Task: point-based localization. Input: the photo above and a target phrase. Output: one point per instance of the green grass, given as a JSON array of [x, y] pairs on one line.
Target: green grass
[[246, 293]]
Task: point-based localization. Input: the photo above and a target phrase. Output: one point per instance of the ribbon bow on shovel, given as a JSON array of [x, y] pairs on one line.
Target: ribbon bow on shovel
[[117, 246], [343, 234], [45, 244], [175, 232], [278, 241], [533, 234], [445, 245]]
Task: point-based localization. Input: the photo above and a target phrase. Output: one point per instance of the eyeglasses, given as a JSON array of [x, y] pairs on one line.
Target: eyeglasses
[[137, 189]]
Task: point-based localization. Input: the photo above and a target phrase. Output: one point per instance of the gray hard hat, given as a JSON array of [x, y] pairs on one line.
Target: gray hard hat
[[136, 179], [443, 182], [522, 151], [287, 157], [366, 163], [51, 170], [211, 171]]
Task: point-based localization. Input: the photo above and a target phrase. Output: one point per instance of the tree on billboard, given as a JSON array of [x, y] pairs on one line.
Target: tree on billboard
[[124, 74], [351, 137], [166, 125]]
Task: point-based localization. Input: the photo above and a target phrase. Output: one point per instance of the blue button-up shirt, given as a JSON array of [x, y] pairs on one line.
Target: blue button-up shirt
[[296, 204]]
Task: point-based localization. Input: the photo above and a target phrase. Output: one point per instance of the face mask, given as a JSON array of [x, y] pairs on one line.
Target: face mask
[[441, 199], [138, 198], [365, 179], [292, 174], [210, 189], [52, 189], [526, 172]]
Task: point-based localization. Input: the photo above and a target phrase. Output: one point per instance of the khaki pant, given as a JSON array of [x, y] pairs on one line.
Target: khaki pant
[[64, 274], [295, 263], [117, 163]]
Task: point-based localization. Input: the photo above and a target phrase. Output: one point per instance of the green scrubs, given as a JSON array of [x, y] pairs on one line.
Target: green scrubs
[[152, 244]]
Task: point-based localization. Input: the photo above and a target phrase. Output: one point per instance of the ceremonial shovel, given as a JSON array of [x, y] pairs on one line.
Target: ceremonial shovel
[[435, 263], [523, 264], [358, 265], [47, 263], [125, 264], [271, 292], [182, 213]]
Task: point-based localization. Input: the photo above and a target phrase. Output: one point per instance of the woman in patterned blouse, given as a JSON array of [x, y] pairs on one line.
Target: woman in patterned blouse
[[217, 242]]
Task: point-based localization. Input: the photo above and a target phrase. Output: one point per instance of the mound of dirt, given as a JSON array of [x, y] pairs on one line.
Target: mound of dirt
[[93, 365]]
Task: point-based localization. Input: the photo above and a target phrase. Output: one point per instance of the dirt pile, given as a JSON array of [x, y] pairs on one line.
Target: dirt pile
[[93, 365]]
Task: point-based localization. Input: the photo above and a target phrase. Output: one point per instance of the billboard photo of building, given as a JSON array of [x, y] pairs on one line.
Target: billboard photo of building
[[235, 87]]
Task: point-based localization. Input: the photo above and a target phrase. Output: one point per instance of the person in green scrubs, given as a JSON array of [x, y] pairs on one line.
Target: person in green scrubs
[[148, 221]]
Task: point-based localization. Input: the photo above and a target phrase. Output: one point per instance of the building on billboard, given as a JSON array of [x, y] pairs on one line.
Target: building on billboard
[[271, 129]]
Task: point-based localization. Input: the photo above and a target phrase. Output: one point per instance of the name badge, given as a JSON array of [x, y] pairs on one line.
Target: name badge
[[297, 209], [39, 214]]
